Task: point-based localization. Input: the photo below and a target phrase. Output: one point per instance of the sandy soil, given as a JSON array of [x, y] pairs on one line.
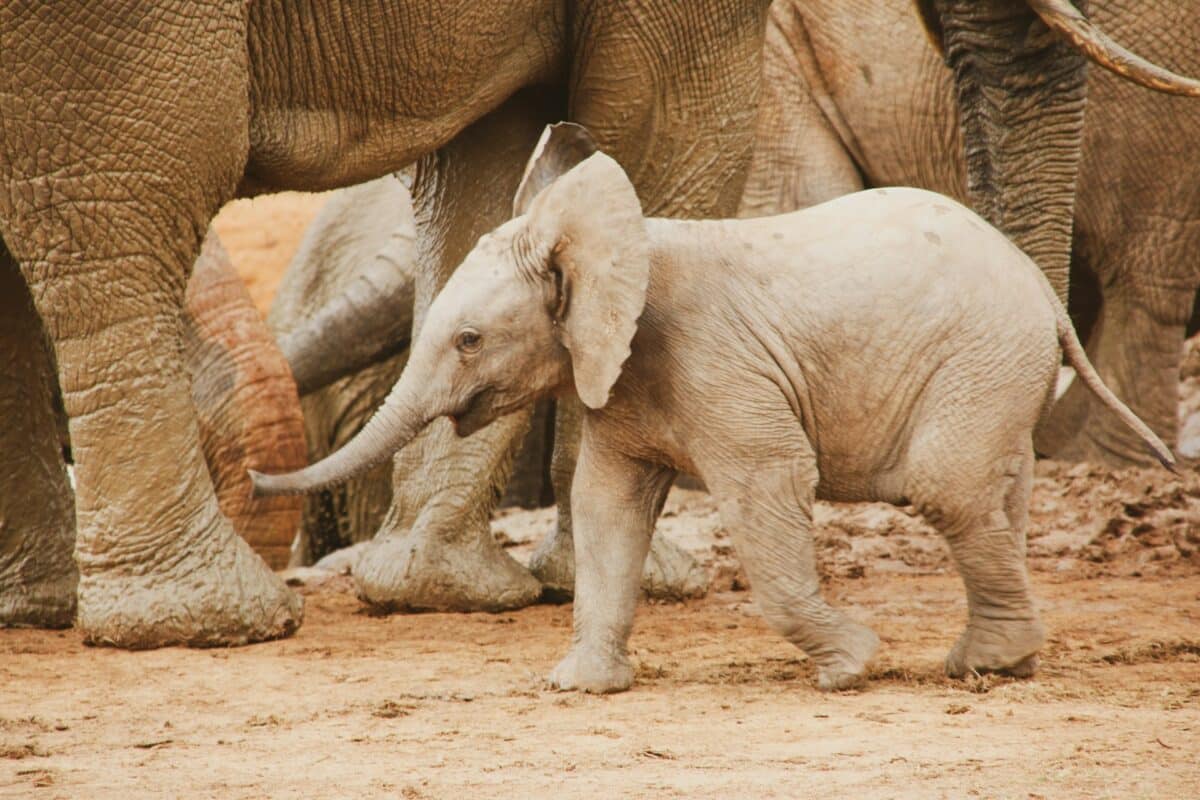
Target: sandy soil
[[435, 705]]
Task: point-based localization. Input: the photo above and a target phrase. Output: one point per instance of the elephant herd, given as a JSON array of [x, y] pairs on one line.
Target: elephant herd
[[119, 316]]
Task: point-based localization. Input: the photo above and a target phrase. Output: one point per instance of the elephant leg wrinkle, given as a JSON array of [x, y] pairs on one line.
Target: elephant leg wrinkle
[[1003, 632]]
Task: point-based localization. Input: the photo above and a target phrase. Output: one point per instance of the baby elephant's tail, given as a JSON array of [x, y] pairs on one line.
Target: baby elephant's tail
[[1078, 359]]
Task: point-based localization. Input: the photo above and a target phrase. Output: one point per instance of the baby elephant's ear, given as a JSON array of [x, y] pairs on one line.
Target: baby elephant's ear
[[599, 259], [561, 147]]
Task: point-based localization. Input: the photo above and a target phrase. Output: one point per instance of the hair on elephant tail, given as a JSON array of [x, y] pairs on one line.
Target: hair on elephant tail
[[1077, 358]]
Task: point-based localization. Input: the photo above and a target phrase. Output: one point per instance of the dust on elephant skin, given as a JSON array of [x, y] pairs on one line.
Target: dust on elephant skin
[[840, 376]]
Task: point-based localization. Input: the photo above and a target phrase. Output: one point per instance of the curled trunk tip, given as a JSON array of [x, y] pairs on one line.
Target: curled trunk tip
[[1065, 19]]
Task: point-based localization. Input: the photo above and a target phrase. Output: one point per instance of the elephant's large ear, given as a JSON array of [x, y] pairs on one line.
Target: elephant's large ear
[[589, 226], [561, 147]]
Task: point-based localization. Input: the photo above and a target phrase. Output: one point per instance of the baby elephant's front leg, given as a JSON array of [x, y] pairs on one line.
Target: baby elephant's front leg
[[614, 503]]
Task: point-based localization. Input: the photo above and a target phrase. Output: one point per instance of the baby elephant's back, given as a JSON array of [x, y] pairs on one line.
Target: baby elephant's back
[[905, 306], [897, 252]]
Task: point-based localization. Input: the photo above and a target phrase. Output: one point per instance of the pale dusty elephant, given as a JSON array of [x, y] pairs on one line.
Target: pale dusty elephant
[[115, 152], [363, 244], [886, 346], [854, 100]]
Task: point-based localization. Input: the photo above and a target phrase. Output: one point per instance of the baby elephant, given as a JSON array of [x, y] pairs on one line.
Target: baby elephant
[[889, 345]]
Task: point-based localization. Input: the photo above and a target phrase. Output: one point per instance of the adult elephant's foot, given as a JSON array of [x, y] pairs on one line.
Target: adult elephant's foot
[[990, 645], [414, 570], [38, 576], [216, 593], [588, 670], [47, 602], [553, 564], [671, 573], [842, 660]]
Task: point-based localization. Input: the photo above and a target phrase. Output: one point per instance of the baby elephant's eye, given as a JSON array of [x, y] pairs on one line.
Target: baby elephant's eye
[[468, 341]]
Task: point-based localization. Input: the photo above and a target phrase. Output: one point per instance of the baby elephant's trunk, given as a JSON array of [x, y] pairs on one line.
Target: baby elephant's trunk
[[394, 425]]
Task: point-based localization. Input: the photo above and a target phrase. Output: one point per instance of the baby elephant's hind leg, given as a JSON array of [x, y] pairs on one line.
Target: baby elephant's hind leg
[[768, 509], [1003, 631]]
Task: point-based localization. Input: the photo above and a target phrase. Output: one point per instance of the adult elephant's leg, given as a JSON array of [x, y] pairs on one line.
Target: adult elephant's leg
[[671, 90], [644, 83], [37, 511], [1136, 345], [435, 549], [1021, 92], [111, 169]]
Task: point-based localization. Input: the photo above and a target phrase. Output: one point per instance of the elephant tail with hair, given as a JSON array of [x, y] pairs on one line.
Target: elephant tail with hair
[[1077, 358]]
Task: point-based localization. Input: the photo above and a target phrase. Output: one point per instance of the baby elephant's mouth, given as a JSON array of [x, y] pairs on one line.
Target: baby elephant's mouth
[[477, 413]]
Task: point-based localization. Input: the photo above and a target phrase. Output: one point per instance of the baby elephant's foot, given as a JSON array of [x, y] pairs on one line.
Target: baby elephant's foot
[[844, 664], [585, 670], [1007, 646]]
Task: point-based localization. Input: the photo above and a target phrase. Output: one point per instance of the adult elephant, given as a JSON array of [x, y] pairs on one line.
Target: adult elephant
[[125, 126], [903, 108], [856, 100]]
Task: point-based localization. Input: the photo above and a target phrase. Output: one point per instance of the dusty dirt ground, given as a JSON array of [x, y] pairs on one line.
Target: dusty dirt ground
[[439, 705]]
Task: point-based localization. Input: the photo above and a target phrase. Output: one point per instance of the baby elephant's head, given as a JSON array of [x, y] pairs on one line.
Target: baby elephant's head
[[548, 300]]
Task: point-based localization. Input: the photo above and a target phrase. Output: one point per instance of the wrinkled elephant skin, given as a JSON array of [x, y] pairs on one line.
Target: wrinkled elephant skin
[[37, 510], [872, 104], [246, 401], [118, 147]]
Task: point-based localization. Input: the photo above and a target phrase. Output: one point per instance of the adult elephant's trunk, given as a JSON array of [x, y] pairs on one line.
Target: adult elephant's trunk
[[1066, 19], [367, 323], [1021, 91], [394, 425], [1020, 72]]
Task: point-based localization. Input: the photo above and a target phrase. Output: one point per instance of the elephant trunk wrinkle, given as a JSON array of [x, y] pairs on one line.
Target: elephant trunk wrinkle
[[366, 324], [1015, 86], [392, 427]]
